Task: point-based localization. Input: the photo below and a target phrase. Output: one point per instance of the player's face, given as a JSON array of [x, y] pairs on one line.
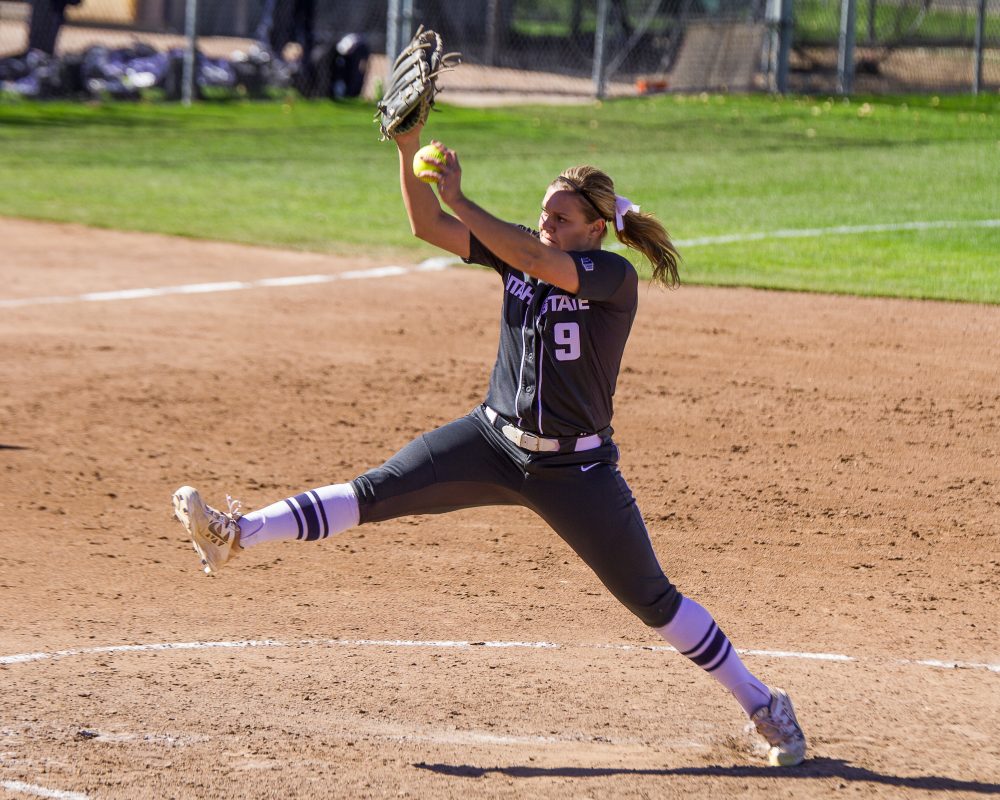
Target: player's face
[[562, 223]]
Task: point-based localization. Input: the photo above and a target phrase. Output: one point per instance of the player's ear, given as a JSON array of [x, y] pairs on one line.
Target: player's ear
[[597, 227]]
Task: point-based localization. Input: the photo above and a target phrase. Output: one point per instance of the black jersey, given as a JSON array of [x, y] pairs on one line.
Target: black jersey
[[559, 353]]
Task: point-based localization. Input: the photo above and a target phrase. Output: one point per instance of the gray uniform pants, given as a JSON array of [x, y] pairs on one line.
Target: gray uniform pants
[[468, 463]]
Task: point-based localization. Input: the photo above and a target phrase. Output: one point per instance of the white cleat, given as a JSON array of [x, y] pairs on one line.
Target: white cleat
[[776, 722], [215, 535]]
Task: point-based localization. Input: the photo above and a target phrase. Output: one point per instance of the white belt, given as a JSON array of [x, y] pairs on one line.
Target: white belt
[[543, 444]]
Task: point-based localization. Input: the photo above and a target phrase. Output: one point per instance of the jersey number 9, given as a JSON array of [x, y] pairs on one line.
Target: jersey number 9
[[567, 336]]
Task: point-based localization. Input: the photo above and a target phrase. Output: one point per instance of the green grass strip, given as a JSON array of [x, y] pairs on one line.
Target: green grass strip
[[312, 175]]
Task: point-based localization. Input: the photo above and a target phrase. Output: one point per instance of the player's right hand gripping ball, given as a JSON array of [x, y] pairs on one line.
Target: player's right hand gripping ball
[[423, 162], [409, 95]]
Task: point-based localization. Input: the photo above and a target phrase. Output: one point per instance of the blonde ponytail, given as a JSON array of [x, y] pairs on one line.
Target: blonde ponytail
[[645, 233], [640, 231]]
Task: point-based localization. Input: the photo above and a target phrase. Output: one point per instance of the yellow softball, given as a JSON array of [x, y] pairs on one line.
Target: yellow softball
[[422, 164]]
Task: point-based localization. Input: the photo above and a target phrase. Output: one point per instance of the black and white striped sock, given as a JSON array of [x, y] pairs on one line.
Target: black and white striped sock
[[309, 516], [695, 634]]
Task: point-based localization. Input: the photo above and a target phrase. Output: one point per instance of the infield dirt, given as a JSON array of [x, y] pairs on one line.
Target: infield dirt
[[823, 473]]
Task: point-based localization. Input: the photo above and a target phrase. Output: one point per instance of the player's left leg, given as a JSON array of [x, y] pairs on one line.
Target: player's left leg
[[594, 511]]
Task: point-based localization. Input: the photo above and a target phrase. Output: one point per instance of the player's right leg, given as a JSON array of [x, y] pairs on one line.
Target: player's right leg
[[218, 536], [452, 467], [459, 465]]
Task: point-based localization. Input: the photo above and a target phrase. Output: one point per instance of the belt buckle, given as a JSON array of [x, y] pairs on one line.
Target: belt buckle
[[523, 439], [530, 442], [516, 435]]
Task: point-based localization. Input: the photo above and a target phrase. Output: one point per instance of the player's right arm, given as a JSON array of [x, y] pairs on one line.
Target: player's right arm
[[428, 220]]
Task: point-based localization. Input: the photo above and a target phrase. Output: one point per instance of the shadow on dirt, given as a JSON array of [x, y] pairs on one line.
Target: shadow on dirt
[[813, 768]]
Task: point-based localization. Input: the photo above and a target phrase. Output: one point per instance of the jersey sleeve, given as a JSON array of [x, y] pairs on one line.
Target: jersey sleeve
[[479, 253], [605, 277]]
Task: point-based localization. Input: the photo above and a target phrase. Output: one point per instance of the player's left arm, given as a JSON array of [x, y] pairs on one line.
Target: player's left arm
[[508, 242]]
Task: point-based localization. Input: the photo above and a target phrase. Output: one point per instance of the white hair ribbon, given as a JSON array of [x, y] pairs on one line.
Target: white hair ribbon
[[622, 206]]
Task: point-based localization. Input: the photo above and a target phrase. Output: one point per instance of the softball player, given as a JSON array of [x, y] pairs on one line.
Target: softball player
[[543, 437]]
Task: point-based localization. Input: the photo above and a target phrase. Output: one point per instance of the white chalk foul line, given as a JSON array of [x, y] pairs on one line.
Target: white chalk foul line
[[139, 648], [932, 662], [435, 264], [430, 265], [40, 791], [836, 230], [22, 658]]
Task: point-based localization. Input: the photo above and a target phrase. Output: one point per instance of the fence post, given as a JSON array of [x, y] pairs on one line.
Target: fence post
[[977, 72], [599, 37], [492, 31], [391, 33], [406, 23], [188, 72], [398, 29], [779, 20], [845, 49]]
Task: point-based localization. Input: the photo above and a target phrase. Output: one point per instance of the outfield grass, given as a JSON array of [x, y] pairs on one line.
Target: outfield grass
[[312, 175]]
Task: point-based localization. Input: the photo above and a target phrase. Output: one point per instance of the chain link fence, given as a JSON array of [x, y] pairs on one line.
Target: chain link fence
[[899, 46], [525, 50], [623, 47]]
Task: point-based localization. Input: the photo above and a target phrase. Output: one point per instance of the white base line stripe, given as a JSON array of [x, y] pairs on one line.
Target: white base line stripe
[[41, 791], [22, 658], [444, 262], [837, 230], [952, 664], [430, 265]]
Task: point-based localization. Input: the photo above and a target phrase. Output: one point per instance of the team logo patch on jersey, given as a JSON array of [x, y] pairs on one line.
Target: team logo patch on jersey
[[587, 264]]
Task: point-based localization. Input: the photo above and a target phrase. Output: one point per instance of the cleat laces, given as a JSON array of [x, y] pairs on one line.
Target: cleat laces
[[235, 508]]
